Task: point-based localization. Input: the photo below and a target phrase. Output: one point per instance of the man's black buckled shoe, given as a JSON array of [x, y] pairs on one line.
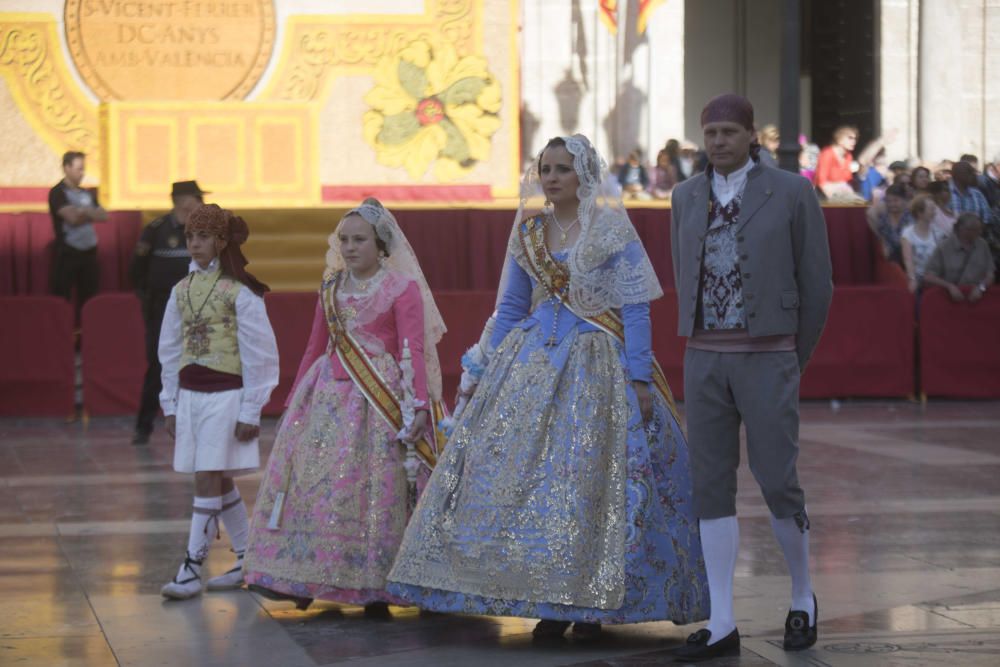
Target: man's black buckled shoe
[[799, 634], [697, 647]]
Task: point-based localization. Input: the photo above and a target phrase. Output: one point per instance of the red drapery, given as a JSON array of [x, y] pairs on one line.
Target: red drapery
[[464, 249], [866, 350], [459, 249], [26, 251]]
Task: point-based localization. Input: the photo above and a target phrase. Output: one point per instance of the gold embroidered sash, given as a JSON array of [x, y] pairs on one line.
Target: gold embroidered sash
[[552, 274], [371, 383]]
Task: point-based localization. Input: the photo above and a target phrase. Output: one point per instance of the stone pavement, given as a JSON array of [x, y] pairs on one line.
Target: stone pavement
[[904, 503]]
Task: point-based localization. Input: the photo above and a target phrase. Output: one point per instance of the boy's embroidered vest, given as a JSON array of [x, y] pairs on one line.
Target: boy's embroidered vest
[[208, 321]]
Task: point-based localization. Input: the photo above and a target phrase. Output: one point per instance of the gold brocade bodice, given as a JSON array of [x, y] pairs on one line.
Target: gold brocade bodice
[[207, 303]]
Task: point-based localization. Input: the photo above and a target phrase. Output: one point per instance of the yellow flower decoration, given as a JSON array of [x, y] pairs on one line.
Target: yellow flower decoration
[[430, 106]]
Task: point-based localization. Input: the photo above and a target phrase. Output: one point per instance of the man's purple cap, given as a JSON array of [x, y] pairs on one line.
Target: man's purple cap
[[728, 107]]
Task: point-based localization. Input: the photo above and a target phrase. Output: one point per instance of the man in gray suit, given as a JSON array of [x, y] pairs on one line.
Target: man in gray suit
[[752, 270]]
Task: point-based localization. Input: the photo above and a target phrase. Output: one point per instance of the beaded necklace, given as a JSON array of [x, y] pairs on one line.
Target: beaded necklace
[[197, 313], [360, 294], [564, 231]]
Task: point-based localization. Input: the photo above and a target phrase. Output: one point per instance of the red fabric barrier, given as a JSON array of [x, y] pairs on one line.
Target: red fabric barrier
[[113, 350], [867, 346], [854, 250], [866, 349], [959, 355], [26, 251], [37, 361], [116, 241], [114, 358], [39, 239], [20, 238], [291, 315]]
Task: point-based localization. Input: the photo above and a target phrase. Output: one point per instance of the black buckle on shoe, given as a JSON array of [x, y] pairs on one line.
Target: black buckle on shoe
[[800, 629], [797, 621], [698, 649], [700, 637]]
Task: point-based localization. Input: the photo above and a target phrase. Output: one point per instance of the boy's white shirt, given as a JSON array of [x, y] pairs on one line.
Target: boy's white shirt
[[258, 351]]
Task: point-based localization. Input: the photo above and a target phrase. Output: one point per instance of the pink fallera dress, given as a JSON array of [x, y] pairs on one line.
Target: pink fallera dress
[[339, 462]]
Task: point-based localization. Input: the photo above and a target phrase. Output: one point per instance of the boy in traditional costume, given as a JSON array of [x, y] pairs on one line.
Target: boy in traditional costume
[[220, 364]]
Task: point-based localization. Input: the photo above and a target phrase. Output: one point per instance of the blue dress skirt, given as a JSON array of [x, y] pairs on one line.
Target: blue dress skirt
[[553, 499]]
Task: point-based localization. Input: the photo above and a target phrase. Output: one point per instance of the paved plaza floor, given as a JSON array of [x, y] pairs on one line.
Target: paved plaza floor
[[904, 503]]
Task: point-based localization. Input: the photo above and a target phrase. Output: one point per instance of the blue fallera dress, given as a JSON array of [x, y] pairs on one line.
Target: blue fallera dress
[[553, 499]]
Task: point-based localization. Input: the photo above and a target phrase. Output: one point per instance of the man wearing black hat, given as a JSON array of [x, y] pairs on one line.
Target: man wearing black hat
[[161, 259]]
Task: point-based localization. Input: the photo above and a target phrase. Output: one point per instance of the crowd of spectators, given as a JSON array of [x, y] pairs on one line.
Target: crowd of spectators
[[939, 222]]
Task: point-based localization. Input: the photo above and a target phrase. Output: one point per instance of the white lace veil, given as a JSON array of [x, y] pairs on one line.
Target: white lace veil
[[608, 265], [401, 260]]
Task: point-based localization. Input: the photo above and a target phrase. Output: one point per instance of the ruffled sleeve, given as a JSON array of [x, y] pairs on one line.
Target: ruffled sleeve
[[408, 310], [170, 347], [318, 339]]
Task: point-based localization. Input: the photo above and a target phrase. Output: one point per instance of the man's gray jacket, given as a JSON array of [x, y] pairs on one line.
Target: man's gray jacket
[[784, 255]]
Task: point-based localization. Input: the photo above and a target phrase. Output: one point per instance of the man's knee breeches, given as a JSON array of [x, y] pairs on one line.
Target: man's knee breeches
[[723, 391]]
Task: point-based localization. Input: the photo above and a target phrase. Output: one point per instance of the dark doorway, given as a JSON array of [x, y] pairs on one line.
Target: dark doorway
[[840, 51]]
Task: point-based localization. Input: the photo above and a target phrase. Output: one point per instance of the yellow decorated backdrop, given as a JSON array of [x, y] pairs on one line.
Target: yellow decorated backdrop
[[265, 102]]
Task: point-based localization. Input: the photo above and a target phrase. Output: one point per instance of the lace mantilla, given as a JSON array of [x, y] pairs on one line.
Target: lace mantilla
[[403, 262], [608, 265]]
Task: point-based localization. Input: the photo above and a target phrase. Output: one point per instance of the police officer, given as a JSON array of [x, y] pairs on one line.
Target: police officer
[[161, 259]]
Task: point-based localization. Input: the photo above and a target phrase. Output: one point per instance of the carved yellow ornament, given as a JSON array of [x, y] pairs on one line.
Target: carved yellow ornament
[[42, 85], [431, 107]]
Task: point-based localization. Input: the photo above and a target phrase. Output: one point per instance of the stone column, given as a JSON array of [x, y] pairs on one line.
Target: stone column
[[943, 98], [991, 82], [898, 75], [575, 77], [663, 66]]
